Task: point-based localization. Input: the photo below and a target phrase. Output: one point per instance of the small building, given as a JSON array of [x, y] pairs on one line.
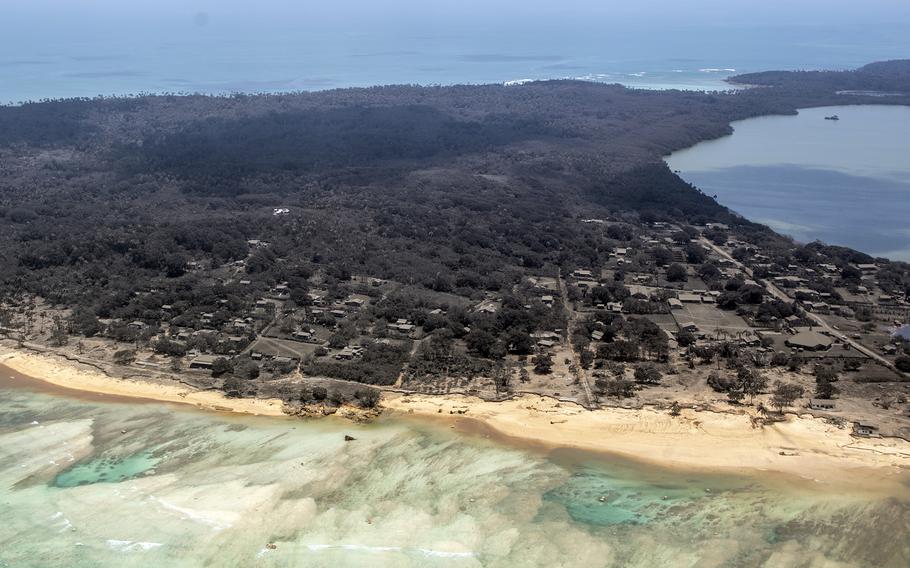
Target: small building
[[675, 304], [688, 326], [810, 341], [821, 404], [819, 307], [689, 298], [864, 429], [345, 354], [203, 362]]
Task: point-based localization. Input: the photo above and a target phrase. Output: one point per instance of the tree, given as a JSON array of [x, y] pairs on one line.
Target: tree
[[728, 301], [722, 384], [825, 389], [785, 394], [587, 357], [337, 341], [902, 363], [84, 322], [825, 374], [685, 338], [320, 394], [221, 366], [752, 382], [481, 342], [165, 346], [677, 273], [124, 357], [232, 387], [368, 398], [735, 396], [695, 254], [247, 370], [59, 337], [520, 342], [852, 365], [620, 388], [647, 374], [543, 364]]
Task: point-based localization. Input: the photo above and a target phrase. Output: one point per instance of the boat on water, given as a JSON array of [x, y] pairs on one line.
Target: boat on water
[[832, 117]]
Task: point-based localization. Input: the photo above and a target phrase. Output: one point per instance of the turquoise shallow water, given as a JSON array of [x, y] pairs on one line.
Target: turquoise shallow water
[[110, 484]]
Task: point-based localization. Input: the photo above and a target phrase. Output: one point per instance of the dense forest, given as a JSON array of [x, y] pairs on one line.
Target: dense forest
[[886, 77]]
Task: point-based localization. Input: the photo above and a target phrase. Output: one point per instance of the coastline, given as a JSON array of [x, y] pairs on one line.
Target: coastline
[[74, 377], [706, 440]]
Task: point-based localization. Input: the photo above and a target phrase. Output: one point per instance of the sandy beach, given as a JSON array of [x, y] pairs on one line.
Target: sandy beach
[[804, 446], [69, 375]]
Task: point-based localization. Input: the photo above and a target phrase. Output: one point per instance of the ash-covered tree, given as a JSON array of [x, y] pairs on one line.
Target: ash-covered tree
[[59, 336], [784, 395], [220, 366], [543, 363], [83, 321], [124, 357], [677, 273], [826, 390], [647, 374]]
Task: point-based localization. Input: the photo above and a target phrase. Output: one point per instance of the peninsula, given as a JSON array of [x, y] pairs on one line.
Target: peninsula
[[519, 255]]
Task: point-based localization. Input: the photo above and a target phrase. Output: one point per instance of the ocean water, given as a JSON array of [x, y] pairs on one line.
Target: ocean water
[[845, 182], [54, 48], [89, 483]]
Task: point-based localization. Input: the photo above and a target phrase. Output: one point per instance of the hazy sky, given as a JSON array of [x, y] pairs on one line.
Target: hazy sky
[[56, 13]]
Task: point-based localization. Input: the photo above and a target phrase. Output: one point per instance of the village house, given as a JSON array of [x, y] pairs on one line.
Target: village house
[[864, 429], [821, 404], [809, 340], [203, 362]]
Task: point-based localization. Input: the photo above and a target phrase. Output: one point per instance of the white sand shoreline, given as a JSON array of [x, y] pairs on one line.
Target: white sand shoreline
[[69, 375], [804, 446]]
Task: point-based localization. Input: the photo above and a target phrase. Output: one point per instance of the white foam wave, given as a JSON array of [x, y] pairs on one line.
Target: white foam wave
[[131, 546], [426, 552], [192, 515], [62, 524]]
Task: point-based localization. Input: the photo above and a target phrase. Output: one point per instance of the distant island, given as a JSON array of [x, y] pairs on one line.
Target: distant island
[[320, 251]]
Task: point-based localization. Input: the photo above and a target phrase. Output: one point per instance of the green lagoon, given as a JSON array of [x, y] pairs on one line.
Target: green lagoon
[[100, 484]]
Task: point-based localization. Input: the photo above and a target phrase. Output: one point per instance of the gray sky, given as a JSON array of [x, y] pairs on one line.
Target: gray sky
[[52, 13]]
